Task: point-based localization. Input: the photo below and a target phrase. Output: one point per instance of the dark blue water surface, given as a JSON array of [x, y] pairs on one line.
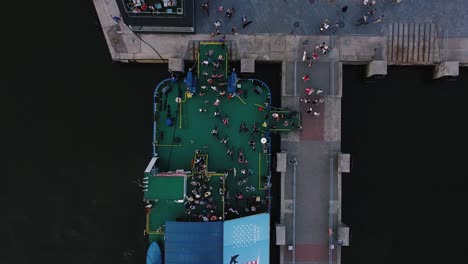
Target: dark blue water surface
[[407, 138]]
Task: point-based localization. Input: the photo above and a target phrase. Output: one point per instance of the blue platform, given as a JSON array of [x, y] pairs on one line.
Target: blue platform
[[193, 242]]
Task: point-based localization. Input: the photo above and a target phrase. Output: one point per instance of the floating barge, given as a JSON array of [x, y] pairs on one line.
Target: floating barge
[[210, 168]]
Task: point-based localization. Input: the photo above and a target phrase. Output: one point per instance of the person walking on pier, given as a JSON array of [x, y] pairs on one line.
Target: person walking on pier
[[234, 31], [309, 91], [230, 12], [245, 22], [206, 7], [378, 20]]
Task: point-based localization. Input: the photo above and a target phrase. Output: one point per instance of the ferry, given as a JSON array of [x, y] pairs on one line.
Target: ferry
[[207, 187]]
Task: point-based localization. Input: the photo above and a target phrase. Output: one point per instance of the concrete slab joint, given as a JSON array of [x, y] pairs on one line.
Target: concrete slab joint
[[344, 161], [343, 235], [446, 68], [281, 162], [376, 67], [176, 65], [247, 65]]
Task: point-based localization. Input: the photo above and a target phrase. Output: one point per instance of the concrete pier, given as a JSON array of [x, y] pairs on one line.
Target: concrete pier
[[446, 69], [316, 230], [376, 68]]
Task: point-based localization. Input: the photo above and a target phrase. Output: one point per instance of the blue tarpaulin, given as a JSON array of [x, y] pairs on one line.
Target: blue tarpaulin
[[232, 82], [193, 242], [191, 82]]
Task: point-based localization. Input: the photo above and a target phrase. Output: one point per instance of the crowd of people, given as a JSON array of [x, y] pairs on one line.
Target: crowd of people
[[199, 202], [369, 16], [311, 95], [229, 13]]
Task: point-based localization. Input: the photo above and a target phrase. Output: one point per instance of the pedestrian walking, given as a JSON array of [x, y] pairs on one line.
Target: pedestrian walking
[[214, 132], [362, 21], [316, 113], [378, 20], [319, 91], [309, 91], [230, 12], [324, 26], [116, 19], [315, 56], [234, 31], [226, 121], [306, 78], [309, 110], [206, 7], [246, 24], [371, 12], [321, 46], [217, 24]]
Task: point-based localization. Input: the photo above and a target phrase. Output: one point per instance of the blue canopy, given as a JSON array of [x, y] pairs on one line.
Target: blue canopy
[[193, 242], [191, 82], [232, 82]]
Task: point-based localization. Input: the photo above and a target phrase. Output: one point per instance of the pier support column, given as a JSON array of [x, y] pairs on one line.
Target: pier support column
[[376, 68], [446, 69], [176, 65], [344, 162], [247, 66]]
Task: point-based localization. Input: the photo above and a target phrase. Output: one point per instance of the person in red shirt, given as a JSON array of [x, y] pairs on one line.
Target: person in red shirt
[[309, 91]]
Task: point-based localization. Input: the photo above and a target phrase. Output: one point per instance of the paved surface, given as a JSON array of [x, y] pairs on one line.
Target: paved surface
[[278, 16], [314, 197], [124, 45]]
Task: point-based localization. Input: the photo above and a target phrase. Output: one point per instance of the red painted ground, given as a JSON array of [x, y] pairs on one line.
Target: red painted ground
[[312, 125], [309, 252]]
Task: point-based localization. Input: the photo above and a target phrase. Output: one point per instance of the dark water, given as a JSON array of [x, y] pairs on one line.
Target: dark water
[[405, 194]]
